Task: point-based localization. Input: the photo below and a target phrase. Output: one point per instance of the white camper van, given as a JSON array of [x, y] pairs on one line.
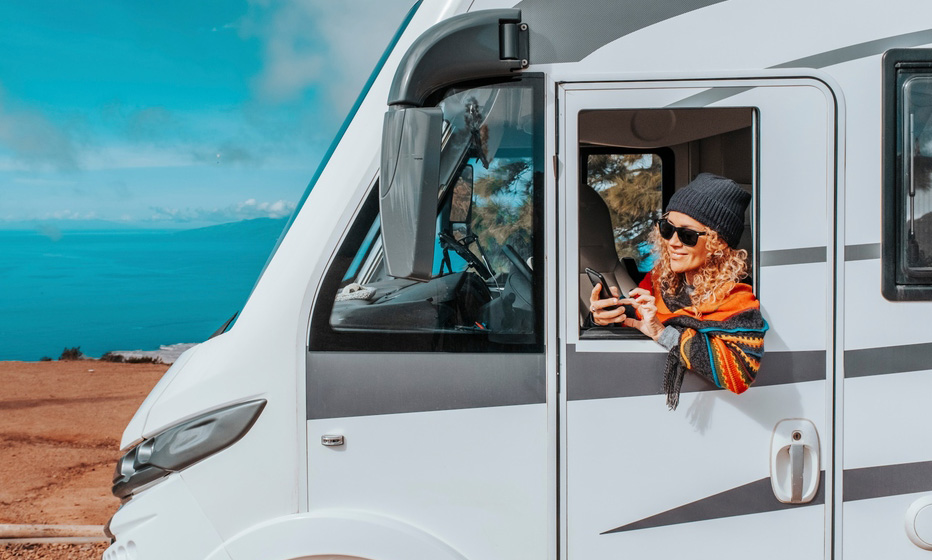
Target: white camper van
[[412, 377]]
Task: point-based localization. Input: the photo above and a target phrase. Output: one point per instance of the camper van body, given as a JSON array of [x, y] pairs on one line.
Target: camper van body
[[287, 438]]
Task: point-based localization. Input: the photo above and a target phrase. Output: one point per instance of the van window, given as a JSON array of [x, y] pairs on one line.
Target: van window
[[631, 163], [486, 293], [907, 242]]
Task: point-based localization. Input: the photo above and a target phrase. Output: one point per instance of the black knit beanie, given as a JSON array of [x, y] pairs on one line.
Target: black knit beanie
[[716, 202]]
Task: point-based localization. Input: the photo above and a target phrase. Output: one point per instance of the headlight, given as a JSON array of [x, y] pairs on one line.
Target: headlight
[[183, 445]]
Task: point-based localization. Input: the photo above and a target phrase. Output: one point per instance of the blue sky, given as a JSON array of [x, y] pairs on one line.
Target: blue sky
[[175, 114]]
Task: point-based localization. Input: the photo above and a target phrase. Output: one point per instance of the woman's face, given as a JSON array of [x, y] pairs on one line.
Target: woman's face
[[683, 258]]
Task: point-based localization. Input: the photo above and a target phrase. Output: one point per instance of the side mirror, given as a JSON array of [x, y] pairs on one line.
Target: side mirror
[[408, 190]]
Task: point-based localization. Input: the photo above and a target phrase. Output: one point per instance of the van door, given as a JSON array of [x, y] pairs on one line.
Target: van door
[[427, 401], [639, 480]]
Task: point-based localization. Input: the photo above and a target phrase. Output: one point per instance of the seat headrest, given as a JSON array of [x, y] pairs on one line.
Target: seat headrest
[[596, 234]]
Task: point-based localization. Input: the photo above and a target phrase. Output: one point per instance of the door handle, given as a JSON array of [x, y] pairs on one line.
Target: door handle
[[332, 440], [795, 467]]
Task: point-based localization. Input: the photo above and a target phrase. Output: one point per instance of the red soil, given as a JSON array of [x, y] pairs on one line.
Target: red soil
[[60, 428]]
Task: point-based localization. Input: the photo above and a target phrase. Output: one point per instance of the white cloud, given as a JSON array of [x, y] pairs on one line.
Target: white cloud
[[246, 210], [137, 156], [150, 137], [70, 215], [330, 46], [20, 155], [33, 140]]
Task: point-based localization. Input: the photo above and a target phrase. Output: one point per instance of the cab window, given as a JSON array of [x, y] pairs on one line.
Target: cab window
[[486, 290]]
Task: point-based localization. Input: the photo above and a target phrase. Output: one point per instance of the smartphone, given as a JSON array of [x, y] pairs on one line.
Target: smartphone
[[596, 278]]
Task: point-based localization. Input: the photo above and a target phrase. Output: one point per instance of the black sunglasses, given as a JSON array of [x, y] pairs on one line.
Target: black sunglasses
[[688, 237]]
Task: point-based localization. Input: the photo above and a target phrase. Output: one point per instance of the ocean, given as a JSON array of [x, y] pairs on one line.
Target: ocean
[[125, 289]]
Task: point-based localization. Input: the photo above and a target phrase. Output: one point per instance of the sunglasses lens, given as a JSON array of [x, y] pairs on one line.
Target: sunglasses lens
[[688, 236]]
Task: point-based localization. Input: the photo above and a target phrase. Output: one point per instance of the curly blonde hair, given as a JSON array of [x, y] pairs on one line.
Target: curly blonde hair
[[723, 266]]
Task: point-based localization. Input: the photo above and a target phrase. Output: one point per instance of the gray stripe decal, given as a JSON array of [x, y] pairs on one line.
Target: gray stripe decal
[[570, 31], [344, 385], [888, 359], [860, 50], [820, 60], [887, 480], [755, 497], [862, 252], [708, 97], [783, 257], [605, 375], [807, 255]]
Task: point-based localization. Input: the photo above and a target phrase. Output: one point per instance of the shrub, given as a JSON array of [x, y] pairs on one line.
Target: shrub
[[111, 357], [71, 354], [143, 360], [120, 359], [45, 359]]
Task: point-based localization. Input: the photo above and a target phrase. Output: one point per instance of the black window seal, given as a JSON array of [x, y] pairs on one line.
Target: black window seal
[[895, 60]]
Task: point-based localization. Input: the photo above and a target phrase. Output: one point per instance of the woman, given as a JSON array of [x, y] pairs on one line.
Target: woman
[[692, 302]]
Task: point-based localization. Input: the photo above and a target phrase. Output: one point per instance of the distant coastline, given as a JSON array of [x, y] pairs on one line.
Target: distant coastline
[[56, 227], [167, 354]]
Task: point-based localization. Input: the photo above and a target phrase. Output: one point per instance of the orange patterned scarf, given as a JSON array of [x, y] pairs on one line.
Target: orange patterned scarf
[[721, 341]]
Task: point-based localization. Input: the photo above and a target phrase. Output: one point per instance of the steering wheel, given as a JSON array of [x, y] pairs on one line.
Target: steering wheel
[[520, 266], [448, 241]]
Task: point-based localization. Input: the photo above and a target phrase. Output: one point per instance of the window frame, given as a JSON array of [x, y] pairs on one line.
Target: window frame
[[919, 287], [323, 338]]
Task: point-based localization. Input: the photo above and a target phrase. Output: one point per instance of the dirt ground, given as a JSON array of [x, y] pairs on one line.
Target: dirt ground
[[60, 429], [52, 551]]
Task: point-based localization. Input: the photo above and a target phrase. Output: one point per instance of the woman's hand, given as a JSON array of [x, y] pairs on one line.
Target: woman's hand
[[646, 305], [601, 316]]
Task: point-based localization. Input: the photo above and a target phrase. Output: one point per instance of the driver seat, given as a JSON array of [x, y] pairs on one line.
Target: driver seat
[[597, 248]]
